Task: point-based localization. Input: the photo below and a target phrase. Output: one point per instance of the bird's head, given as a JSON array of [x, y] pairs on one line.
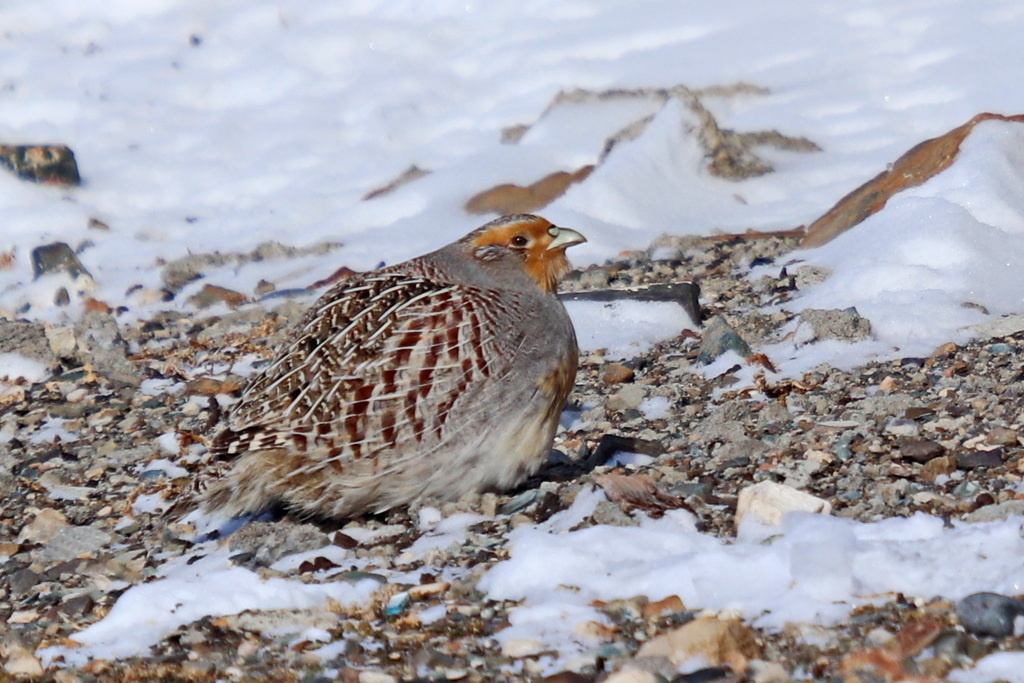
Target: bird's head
[[538, 243]]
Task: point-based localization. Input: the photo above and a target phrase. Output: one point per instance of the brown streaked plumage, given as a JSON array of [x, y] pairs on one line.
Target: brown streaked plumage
[[435, 377]]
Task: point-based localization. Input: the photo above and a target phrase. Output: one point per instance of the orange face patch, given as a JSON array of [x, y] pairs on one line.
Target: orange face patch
[[532, 236]]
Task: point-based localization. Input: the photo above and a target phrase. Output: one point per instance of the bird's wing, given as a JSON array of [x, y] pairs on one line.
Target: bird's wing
[[378, 362]]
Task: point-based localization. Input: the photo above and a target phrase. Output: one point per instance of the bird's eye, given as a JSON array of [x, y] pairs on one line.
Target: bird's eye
[[519, 241]]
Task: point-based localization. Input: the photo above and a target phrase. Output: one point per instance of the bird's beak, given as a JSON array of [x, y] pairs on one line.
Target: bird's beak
[[566, 237]]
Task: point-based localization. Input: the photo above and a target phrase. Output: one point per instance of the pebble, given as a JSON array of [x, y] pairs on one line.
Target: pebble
[[1002, 436], [46, 524], [376, 677], [628, 397], [920, 450], [969, 460], [767, 502], [989, 614], [21, 662], [718, 641], [71, 542], [616, 373], [842, 324], [719, 337]]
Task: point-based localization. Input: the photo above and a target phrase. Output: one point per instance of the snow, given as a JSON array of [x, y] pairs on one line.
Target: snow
[[220, 126], [15, 366], [211, 586], [815, 569]]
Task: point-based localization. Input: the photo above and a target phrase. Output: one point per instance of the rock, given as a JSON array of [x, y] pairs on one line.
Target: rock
[[844, 325], [26, 339], [920, 450], [46, 524], [616, 373], [921, 162], [767, 672], [211, 295], [1002, 436], [57, 257], [520, 647], [269, 542], [62, 342], [969, 460], [670, 605], [101, 344], [902, 427], [941, 465], [628, 397], [767, 502], [508, 198], [71, 542], [996, 512], [376, 677], [47, 164], [989, 614], [407, 176], [632, 675], [717, 641], [718, 338], [21, 662]]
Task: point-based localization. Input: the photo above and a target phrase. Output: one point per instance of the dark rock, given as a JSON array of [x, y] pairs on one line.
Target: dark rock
[[989, 614], [969, 460], [718, 338], [48, 164], [920, 450]]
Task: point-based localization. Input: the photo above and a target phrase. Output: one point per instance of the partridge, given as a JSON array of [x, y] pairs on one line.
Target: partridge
[[435, 377]]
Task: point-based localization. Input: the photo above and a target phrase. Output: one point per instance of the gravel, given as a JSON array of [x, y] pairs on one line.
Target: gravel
[[82, 450]]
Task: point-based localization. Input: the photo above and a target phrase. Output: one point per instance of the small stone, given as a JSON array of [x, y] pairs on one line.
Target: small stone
[[628, 397], [670, 605], [616, 373], [1002, 436], [941, 465], [376, 677], [21, 662], [989, 614], [46, 164], [632, 675], [62, 341], [719, 337], [819, 325], [71, 542], [427, 590], [969, 460], [718, 641], [267, 542], [767, 502], [47, 523], [767, 672], [210, 295], [263, 288], [57, 257], [397, 604], [920, 450], [902, 427], [521, 647], [996, 512]]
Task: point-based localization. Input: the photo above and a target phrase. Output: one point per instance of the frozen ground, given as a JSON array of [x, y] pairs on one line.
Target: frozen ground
[[218, 126]]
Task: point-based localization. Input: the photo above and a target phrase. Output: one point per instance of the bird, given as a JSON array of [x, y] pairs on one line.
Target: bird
[[439, 376]]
